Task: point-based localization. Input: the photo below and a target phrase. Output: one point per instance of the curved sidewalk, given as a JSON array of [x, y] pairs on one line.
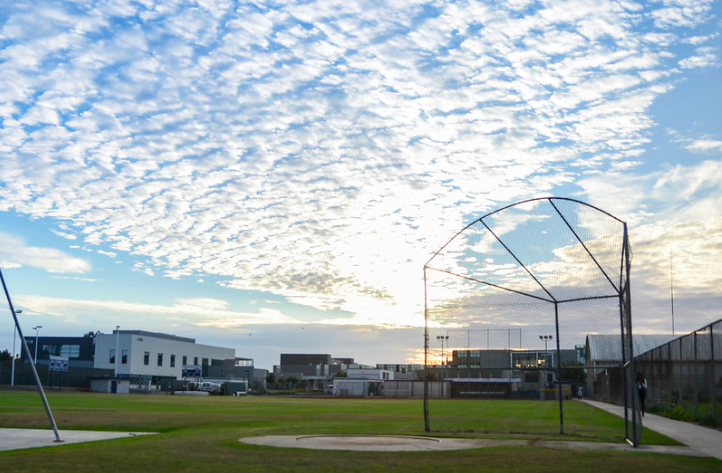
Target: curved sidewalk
[[702, 439]]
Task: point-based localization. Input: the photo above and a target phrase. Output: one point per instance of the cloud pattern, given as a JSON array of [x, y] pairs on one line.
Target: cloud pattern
[[320, 150]]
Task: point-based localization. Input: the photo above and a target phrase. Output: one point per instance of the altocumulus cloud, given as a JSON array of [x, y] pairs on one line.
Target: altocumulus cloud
[[319, 150], [15, 250]]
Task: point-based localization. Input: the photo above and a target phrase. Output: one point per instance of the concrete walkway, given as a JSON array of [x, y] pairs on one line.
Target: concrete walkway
[[17, 439], [702, 439]]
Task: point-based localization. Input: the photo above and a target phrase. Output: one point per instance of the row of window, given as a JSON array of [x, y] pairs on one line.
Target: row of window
[[68, 351], [123, 357], [146, 358]]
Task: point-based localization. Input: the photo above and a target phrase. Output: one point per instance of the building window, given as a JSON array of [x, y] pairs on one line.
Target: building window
[[172, 361], [160, 359], [112, 357], [68, 351], [195, 360], [205, 361], [532, 360], [185, 360], [524, 360], [146, 358], [124, 356]]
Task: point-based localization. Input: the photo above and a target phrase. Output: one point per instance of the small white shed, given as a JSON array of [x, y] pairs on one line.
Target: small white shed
[[110, 385]]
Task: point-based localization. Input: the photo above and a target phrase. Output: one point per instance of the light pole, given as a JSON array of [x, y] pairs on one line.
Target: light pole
[[117, 345], [442, 338], [12, 369], [37, 329], [547, 339]]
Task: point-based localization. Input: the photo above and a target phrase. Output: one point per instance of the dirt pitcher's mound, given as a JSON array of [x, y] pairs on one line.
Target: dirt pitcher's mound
[[377, 443]]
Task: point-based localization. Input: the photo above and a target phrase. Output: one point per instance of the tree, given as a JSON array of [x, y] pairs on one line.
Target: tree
[[5, 355], [341, 374], [92, 334], [270, 378]]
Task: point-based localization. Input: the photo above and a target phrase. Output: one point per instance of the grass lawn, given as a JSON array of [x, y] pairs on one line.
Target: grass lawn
[[201, 434], [529, 417]]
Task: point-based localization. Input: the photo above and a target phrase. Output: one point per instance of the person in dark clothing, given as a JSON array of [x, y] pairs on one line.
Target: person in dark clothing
[[641, 383]]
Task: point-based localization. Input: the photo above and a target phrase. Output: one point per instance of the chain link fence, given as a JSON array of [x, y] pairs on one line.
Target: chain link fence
[[684, 376], [510, 301]]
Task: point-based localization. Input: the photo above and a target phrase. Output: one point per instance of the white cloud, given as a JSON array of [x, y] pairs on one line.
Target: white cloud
[[705, 146], [68, 236], [16, 254], [704, 57], [202, 312]]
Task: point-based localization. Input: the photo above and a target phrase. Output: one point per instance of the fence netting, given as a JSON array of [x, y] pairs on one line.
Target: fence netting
[[510, 302], [684, 376]]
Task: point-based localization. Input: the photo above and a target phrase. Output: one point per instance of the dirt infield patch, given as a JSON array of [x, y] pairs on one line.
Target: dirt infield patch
[[399, 443]]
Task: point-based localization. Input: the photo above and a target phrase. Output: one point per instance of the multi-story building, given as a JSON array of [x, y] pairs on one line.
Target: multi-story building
[[150, 356], [501, 373], [140, 353], [316, 369]]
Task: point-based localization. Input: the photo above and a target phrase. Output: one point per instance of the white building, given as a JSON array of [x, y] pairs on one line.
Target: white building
[[362, 382], [155, 354], [369, 373]]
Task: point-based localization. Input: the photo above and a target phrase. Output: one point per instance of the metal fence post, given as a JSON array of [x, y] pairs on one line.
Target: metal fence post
[[713, 370]]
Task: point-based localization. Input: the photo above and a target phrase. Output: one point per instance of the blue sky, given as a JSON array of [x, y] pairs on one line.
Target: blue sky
[[272, 176]]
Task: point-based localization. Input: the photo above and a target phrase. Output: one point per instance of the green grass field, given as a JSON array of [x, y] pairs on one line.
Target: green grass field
[[201, 434]]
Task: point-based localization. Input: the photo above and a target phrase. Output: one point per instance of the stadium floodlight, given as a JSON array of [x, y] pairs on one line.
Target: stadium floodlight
[[547, 339], [443, 338]]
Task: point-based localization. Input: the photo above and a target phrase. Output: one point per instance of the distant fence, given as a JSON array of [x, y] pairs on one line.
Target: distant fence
[[415, 389], [686, 372], [76, 377]]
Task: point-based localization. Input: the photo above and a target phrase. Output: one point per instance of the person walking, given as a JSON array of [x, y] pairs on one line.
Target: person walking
[[641, 383]]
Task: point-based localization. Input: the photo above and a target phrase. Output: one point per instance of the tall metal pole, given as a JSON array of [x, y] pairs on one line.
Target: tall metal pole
[[671, 287], [32, 365], [559, 369], [12, 369], [637, 421], [625, 320], [37, 330], [426, 357], [117, 353]]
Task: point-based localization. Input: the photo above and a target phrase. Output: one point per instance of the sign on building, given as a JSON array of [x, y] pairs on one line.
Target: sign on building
[[58, 363], [191, 371]]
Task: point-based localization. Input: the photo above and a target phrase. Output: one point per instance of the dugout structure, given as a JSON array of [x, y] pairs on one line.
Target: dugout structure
[[509, 303]]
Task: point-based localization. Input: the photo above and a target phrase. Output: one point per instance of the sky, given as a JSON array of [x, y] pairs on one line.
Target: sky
[[272, 176]]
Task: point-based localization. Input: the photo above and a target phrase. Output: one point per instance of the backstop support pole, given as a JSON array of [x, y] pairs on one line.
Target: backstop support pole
[[426, 358], [29, 357], [559, 370]]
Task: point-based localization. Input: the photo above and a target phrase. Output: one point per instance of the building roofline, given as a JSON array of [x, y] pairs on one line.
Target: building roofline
[[166, 336]]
